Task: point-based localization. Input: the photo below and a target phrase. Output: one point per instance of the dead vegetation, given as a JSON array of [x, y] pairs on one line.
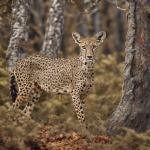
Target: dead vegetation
[[64, 140]]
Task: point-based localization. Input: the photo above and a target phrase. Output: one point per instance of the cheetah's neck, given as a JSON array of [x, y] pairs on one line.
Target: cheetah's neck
[[87, 66]]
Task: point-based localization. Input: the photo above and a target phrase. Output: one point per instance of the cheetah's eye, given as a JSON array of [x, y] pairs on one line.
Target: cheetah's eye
[[83, 47], [94, 46]]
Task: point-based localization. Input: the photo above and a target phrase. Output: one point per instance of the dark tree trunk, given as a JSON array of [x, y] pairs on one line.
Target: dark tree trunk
[[54, 29], [133, 110], [115, 26], [119, 29], [17, 48]]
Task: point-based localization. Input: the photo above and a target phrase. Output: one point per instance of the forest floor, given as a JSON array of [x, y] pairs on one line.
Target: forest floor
[[64, 141]]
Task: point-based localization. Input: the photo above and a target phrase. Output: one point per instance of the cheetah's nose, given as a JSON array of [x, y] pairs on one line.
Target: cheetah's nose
[[89, 57]]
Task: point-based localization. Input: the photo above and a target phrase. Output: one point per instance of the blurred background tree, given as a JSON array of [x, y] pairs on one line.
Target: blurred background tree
[[54, 29]]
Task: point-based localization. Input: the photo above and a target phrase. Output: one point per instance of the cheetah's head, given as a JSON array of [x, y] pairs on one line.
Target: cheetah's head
[[89, 45]]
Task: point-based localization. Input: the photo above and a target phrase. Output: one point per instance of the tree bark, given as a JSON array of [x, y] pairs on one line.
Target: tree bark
[[17, 48], [133, 110], [54, 29]]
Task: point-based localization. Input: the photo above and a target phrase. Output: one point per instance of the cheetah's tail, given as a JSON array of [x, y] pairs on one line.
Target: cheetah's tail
[[13, 90]]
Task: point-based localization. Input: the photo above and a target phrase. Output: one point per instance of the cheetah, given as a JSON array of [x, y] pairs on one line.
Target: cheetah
[[74, 75]]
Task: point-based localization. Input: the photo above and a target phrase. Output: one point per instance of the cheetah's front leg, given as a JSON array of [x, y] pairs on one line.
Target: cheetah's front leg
[[83, 100], [78, 106]]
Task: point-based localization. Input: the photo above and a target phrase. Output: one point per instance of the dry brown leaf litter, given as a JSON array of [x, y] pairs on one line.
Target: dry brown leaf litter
[[64, 141]]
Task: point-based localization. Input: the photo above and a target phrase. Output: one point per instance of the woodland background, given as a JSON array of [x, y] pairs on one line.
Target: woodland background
[[55, 110]]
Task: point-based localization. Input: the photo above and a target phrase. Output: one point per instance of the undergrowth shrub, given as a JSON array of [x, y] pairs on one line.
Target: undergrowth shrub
[[12, 133]]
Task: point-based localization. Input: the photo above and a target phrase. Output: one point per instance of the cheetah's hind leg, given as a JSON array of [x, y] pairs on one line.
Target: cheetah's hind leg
[[21, 96], [32, 99]]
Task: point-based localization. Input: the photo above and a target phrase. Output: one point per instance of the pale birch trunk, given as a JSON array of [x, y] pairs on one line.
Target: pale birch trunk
[[133, 110], [54, 29], [17, 48]]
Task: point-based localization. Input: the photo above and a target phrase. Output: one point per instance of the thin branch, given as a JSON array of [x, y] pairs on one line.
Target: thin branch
[[36, 29], [86, 11], [121, 4]]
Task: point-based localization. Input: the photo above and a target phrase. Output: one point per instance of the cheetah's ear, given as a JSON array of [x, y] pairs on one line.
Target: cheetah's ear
[[99, 37], [77, 37]]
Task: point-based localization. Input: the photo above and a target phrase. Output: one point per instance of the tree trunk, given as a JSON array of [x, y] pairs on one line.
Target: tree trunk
[[17, 48], [133, 110], [54, 29], [119, 32], [38, 13]]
